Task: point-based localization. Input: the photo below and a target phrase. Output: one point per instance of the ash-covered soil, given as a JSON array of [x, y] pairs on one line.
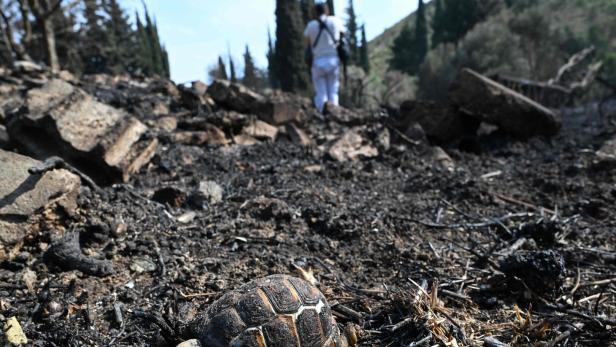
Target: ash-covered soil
[[516, 243]]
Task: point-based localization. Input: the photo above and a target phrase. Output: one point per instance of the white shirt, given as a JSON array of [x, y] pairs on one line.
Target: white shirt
[[326, 47]]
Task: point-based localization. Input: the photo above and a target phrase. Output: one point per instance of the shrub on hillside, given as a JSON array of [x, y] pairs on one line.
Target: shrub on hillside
[[437, 72]]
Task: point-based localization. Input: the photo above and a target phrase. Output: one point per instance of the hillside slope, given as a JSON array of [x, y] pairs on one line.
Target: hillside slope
[[547, 33]]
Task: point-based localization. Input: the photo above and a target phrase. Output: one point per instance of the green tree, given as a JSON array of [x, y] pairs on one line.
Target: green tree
[[250, 79], [438, 23], [93, 40], [364, 57], [233, 75], [222, 70], [403, 50], [166, 65], [410, 47], [143, 62], [421, 37], [352, 32], [460, 16], [152, 57], [271, 62], [65, 23], [330, 4], [291, 68], [120, 38], [155, 49], [308, 13]]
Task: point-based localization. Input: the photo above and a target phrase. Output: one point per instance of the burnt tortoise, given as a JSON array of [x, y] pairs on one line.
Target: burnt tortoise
[[275, 311]]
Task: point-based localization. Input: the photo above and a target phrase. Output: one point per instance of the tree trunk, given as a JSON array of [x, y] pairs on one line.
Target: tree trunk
[[43, 11], [50, 44], [17, 49]]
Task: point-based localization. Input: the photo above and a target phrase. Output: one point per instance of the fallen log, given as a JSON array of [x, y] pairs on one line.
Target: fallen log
[[493, 103]]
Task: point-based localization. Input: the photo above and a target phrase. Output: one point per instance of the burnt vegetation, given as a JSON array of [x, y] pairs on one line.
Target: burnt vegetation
[[131, 207]]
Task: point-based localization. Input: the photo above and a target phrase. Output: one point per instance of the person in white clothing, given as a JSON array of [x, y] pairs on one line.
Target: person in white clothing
[[323, 35]]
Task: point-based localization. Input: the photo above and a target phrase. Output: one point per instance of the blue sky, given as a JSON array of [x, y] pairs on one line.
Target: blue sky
[[196, 32]]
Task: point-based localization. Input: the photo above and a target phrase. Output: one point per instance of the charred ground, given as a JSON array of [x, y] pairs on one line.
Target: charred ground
[[515, 242]]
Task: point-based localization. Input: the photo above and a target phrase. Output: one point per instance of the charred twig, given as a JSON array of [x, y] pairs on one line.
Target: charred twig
[[402, 136], [55, 163], [349, 312], [167, 331], [523, 203], [493, 342], [575, 313], [67, 254], [490, 223], [560, 338]]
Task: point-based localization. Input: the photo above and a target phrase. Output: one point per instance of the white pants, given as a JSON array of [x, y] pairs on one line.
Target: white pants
[[326, 80]]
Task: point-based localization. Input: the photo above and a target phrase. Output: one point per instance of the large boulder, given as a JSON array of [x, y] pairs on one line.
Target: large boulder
[[23, 196], [62, 120], [440, 122], [280, 109], [235, 97], [491, 102]]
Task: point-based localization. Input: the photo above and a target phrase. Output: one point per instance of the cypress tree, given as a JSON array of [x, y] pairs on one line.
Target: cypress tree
[[166, 66], [222, 70], [94, 38], [438, 24], [421, 37], [152, 57], [308, 13], [330, 4], [459, 17], [292, 70], [410, 48], [120, 38], [364, 57], [271, 62], [65, 23], [403, 50], [250, 79], [232, 70], [154, 47], [352, 32], [144, 61]]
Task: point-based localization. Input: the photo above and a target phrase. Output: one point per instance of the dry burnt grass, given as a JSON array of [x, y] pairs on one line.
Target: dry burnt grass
[[407, 251]]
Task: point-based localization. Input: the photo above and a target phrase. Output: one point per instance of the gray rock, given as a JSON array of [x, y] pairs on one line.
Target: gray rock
[[62, 120], [491, 102], [351, 146], [23, 195], [212, 190], [440, 122], [280, 109], [260, 130], [235, 96], [199, 87]]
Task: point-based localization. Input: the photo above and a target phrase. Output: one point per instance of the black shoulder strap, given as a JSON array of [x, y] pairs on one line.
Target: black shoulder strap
[[324, 26], [321, 27]]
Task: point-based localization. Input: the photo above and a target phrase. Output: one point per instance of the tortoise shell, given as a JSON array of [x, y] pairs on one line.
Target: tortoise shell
[[275, 311]]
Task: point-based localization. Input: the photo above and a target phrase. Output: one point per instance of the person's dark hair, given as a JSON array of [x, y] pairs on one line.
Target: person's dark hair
[[321, 9]]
